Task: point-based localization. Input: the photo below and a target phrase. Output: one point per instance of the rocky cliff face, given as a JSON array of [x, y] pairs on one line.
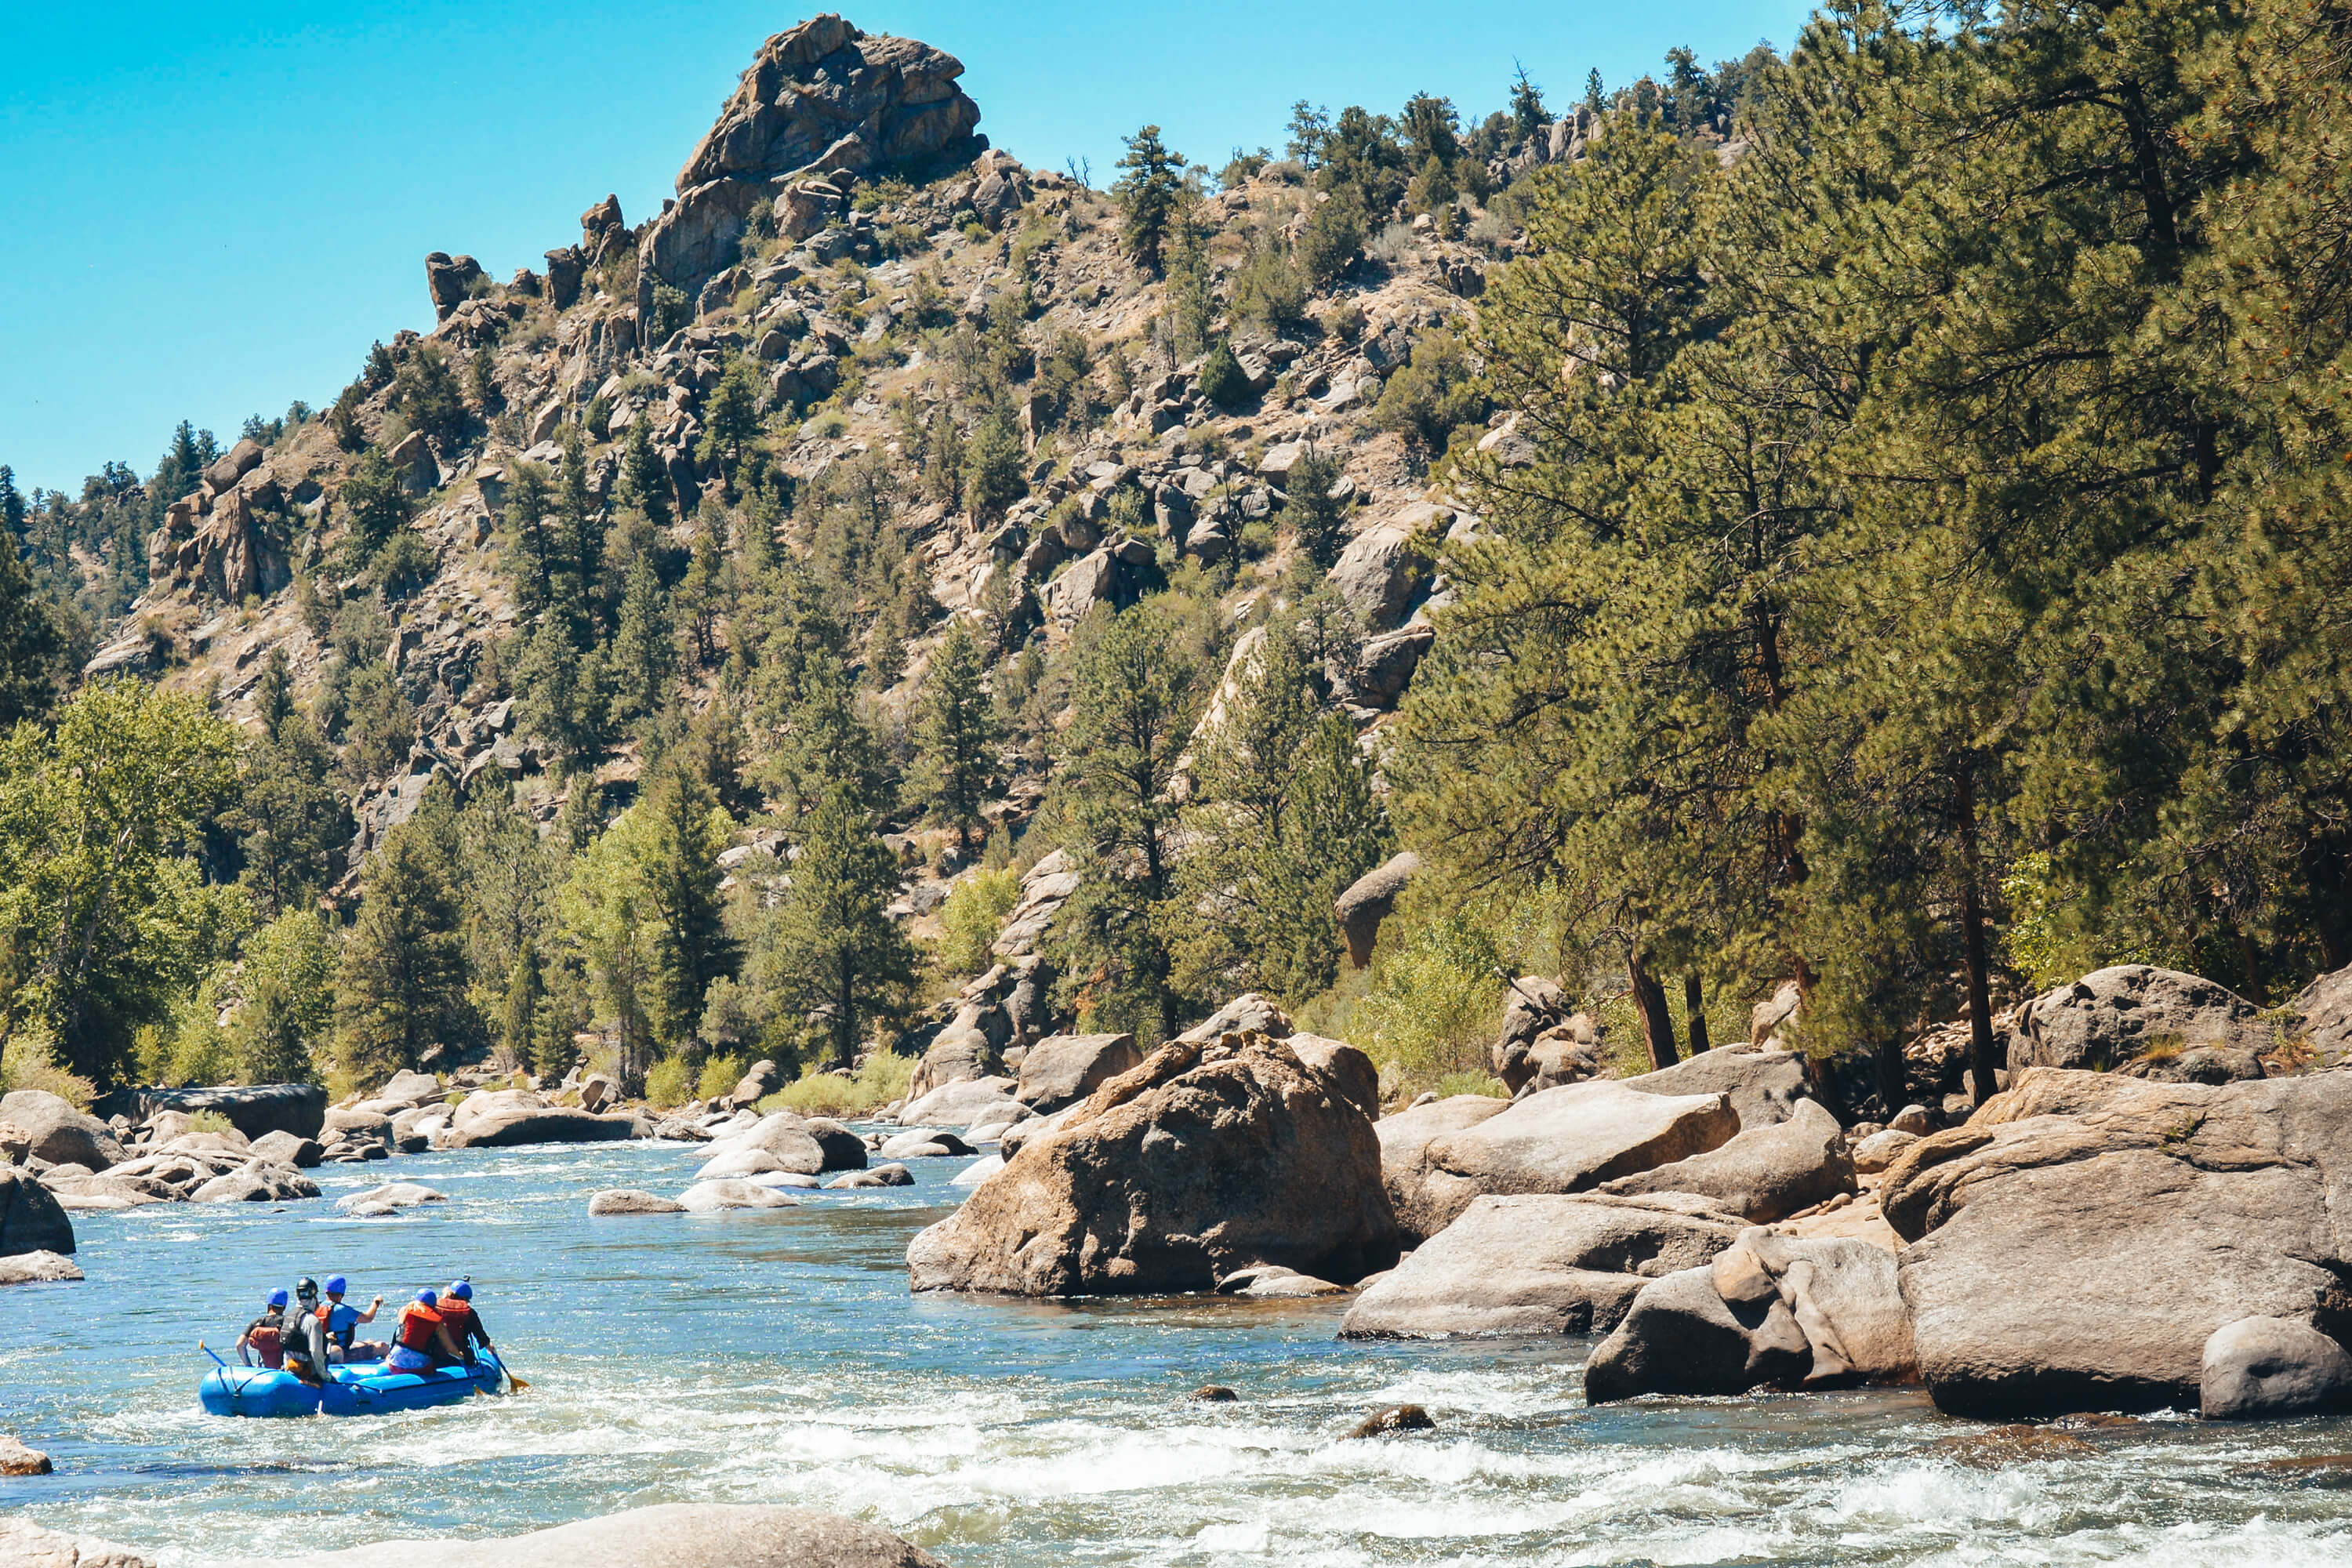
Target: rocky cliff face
[[819, 102]]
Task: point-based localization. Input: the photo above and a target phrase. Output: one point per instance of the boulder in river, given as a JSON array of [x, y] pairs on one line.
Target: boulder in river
[[1784, 1311], [258, 1182], [286, 1149], [791, 1142], [506, 1117], [1763, 1174], [36, 1268], [1565, 1139], [667, 1535], [965, 1102], [922, 1142], [30, 1219], [890, 1175], [17, 1459], [1207, 1158], [2076, 1244], [389, 1198], [45, 1126], [1538, 1264], [2272, 1367], [625, 1200], [709, 1198]]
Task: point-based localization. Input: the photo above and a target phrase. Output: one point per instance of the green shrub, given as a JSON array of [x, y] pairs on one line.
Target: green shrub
[[25, 1063], [1222, 381], [975, 909], [1485, 1083], [881, 1080], [210, 1122], [671, 310], [1334, 234], [1433, 394], [669, 1082], [719, 1076], [1434, 1005]]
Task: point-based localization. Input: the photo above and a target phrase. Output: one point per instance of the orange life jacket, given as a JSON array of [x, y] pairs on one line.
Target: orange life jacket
[[268, 1345], [459, 1313], [417, 1322]]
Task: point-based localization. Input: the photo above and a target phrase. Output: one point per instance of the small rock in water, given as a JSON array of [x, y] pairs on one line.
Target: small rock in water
[[389, 1197], [2017, 1445], [1395, 1418], [16, 1460], [890, 1175], [1214, 1394], [626, 1200], [707, 1197], [1274, 1281], [977, 1171], [2306, 1469], [797, 1180]]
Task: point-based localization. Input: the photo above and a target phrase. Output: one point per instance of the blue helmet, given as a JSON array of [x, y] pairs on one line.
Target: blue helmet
[[278, 1298], [335, 1285], [463, 1289], [429, 1297]]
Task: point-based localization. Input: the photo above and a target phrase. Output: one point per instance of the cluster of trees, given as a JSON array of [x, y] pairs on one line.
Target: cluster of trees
[[1926, 581]]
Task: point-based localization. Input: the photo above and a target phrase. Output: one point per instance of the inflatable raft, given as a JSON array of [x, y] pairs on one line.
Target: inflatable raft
[[364, 1388]]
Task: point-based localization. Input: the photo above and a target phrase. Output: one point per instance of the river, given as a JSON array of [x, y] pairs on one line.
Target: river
[[776, 1356]]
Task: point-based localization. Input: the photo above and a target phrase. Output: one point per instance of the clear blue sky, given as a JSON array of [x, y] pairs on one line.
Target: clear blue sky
[[212, 209]]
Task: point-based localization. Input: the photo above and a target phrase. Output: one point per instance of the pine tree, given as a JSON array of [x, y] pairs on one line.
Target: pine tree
[[731, 417], [1147, 190], [830, 952], [684, 830], [32, 640], [956, 733], [519, 1005], [644, 481], [376, 505], [532, 551], [400, 990], [291, 823], [1316, 521], [992, 463], [645, 646]]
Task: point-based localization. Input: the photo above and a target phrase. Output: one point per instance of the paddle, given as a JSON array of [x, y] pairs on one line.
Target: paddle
[[514, 1383]]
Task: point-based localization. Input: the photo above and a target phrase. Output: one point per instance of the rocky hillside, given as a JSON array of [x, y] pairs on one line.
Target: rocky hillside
[[846, 232]]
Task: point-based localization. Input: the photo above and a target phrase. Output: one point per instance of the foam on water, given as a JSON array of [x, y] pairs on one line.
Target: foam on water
[[776, 1356]]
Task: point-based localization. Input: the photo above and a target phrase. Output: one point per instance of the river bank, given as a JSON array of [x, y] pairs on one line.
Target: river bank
[[777, 1356]]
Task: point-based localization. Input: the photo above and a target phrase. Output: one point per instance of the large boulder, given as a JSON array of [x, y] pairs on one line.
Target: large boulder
[[710, 1197], [30, 1219], [1378, 573], [252, 1109], [1404, 1141], [780, 1140], [36, 1268], [629, 1201], [286, 1149], [2111, 1016], [2324, 1009], [258, 1182], [46, 1126], [1063, 1069], [1537, 1264], [2079, 1241], [960, 1054], [667, 1535], [1766, 1173], [1785, 1310], [1764, 1087], [1367, 901], [966, 1103], [1565, 1140], [1206, 1159], [1351, 1071], [2272, 1367], [820, 99], [1043, 890], [501, 1118]]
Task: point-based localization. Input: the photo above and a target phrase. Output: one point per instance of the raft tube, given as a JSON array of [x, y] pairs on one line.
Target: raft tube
[[363, 1388]]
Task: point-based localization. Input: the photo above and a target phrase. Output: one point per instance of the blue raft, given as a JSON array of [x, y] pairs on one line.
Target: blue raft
[[364, 1388]]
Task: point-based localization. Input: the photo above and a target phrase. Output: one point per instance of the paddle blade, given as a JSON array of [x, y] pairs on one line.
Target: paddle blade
[[515, 1385]]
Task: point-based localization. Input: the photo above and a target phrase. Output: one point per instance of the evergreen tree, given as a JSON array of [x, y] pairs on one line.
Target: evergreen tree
[[531, 550], [830, 952], [520, 1003], [376, 505], [956, 733], [291, 823], [1527, 113], [1316, 521], [993, 463], [644, 481], [33, 641], [645, 646], [288, 981], [400, 990], [1152, 180], [731, 417], [684, 830]]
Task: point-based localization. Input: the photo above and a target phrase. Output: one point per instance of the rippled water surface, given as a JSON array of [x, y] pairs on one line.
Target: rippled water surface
[[777, 1357]]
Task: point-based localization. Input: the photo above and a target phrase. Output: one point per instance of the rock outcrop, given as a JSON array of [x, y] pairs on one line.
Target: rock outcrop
[[2187, 1026], [1207, 1158], [23, 1542], [1537, 1264], [674, 1535], [252, 1109], [822, 100], [1367, 901], [1066, 1068], [501, 1118], [2077, 1244], [1404, 1141]]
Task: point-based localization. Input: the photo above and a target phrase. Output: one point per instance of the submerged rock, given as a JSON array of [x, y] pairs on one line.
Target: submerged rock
[[1395, 1418], [1206, 1159], [672, 1535]]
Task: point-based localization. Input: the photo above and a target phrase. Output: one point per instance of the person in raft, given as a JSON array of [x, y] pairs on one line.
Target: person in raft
[[464, 1325], [423, 1342], [343, 1326], [262, 1336], [306, 1339]]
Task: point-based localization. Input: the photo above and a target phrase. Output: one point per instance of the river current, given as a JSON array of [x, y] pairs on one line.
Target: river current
[[776, 1356]]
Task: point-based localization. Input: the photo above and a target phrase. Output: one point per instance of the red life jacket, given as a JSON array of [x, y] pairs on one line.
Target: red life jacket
[[459, 1313], [268, 1345], [417, 1322]]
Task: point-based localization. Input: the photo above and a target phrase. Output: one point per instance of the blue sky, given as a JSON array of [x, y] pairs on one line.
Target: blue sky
[[212, 209]]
